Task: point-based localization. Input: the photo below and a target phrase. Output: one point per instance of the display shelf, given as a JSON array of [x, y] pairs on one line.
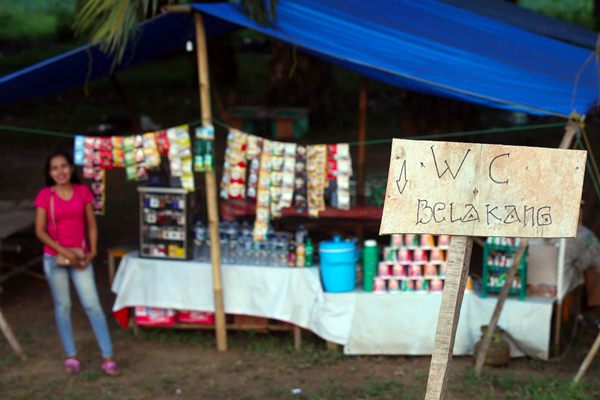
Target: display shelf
[[164, 231], [497, 261]]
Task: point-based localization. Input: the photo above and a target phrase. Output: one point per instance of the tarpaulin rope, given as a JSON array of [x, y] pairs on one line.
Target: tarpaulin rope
[[480, 132], [588, 165]]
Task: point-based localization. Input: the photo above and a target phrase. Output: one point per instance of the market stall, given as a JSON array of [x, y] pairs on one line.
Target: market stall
[[534, 87], [358, 320]]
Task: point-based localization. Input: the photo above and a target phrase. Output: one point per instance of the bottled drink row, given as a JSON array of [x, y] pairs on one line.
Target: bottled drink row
[[236, 244]]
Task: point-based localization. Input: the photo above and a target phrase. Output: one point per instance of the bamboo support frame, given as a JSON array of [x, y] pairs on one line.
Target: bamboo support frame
[[588, 359], [570, 129], [362, 137], [487, 337], [10, 336], [211, 186]]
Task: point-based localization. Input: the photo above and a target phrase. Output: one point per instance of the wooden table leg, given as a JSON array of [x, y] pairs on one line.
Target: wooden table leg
[[459, 258], [111, 266], [297, 337], [331, 346]]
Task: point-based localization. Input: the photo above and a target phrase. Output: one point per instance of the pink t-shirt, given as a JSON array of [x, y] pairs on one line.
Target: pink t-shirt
[[68, 214]]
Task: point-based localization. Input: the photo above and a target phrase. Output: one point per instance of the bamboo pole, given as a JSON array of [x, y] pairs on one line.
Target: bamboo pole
[[459, 258], [10, 337], [211, 187], [570, 129], [362, 136], [588, 360], [487, 337]]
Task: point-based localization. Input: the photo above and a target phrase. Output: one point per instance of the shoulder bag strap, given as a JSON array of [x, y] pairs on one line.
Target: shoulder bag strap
[[52, 213]]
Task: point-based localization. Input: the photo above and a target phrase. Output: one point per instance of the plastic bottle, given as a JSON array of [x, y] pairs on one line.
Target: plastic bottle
[[309, 253], [199, 241], [282, 250], [300, 255], [292, 253], [301, 234], [370, 260]]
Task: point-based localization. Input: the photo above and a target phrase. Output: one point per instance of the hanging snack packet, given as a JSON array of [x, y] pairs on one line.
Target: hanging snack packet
[[91, 160], [234, 167], [79, 150], [162, 142], [105, 153], [316, 164], [276, 178], [235, 157], [263, 199], [98, 187], [180, 156], [204, 137], [117, 151], [140, 158], [288, 175], [300, 179], [129, 157], [343, 171], [198, 155], [209, 157], [253, 153], [151, 154]]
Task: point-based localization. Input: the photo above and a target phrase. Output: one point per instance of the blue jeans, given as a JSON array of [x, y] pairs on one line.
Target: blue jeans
[[58, 279]]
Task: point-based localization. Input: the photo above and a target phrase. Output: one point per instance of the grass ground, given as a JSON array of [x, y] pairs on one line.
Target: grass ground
[[161, 364]]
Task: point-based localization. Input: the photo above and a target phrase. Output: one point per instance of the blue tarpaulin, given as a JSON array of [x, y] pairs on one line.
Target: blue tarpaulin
[[427, 45], [434, 47], [87, 63]]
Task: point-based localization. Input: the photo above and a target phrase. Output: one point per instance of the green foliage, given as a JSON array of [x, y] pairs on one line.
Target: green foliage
[[261, 11], [578, 12], [113, 23], [30, 20]]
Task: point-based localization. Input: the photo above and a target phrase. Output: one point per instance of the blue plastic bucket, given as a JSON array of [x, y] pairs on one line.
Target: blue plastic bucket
[[338, 265]]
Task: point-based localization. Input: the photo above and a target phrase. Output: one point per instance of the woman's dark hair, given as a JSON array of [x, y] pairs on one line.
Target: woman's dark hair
[[69, 158]]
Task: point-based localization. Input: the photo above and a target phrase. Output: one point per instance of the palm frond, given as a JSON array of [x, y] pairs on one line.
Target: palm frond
[[113, 23]]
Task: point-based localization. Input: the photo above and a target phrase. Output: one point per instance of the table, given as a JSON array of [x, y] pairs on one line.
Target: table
[[364, 323]]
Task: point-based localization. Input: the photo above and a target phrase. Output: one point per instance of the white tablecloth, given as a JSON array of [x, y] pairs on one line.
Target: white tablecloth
[[364, 323], [286, 294]]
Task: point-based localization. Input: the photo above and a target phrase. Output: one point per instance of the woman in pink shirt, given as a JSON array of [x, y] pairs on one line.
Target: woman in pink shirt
[[63, 214]]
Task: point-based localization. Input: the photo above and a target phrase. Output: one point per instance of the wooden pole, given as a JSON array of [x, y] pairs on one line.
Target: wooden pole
[[588, 359], [362, 136], [570, 129], [10, 337], [487, 337], [459, 258], [211, 187]]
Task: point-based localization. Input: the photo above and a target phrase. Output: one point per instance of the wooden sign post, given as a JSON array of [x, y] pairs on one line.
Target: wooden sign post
[[468, 189]]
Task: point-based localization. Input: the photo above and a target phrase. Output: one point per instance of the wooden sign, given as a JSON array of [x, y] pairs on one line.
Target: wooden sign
[[482, 190]]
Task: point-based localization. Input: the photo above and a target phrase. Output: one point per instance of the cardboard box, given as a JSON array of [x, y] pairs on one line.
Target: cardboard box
[[150, 316], [195, 317]]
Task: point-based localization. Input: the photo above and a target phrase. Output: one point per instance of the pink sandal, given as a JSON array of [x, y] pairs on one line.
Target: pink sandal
[[110, 368], [72, 365]]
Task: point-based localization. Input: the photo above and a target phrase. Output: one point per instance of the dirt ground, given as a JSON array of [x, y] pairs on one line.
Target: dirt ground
[[165, 364]]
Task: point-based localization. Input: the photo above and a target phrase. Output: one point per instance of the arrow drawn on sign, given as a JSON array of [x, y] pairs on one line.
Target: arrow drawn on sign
[[401, 183]]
